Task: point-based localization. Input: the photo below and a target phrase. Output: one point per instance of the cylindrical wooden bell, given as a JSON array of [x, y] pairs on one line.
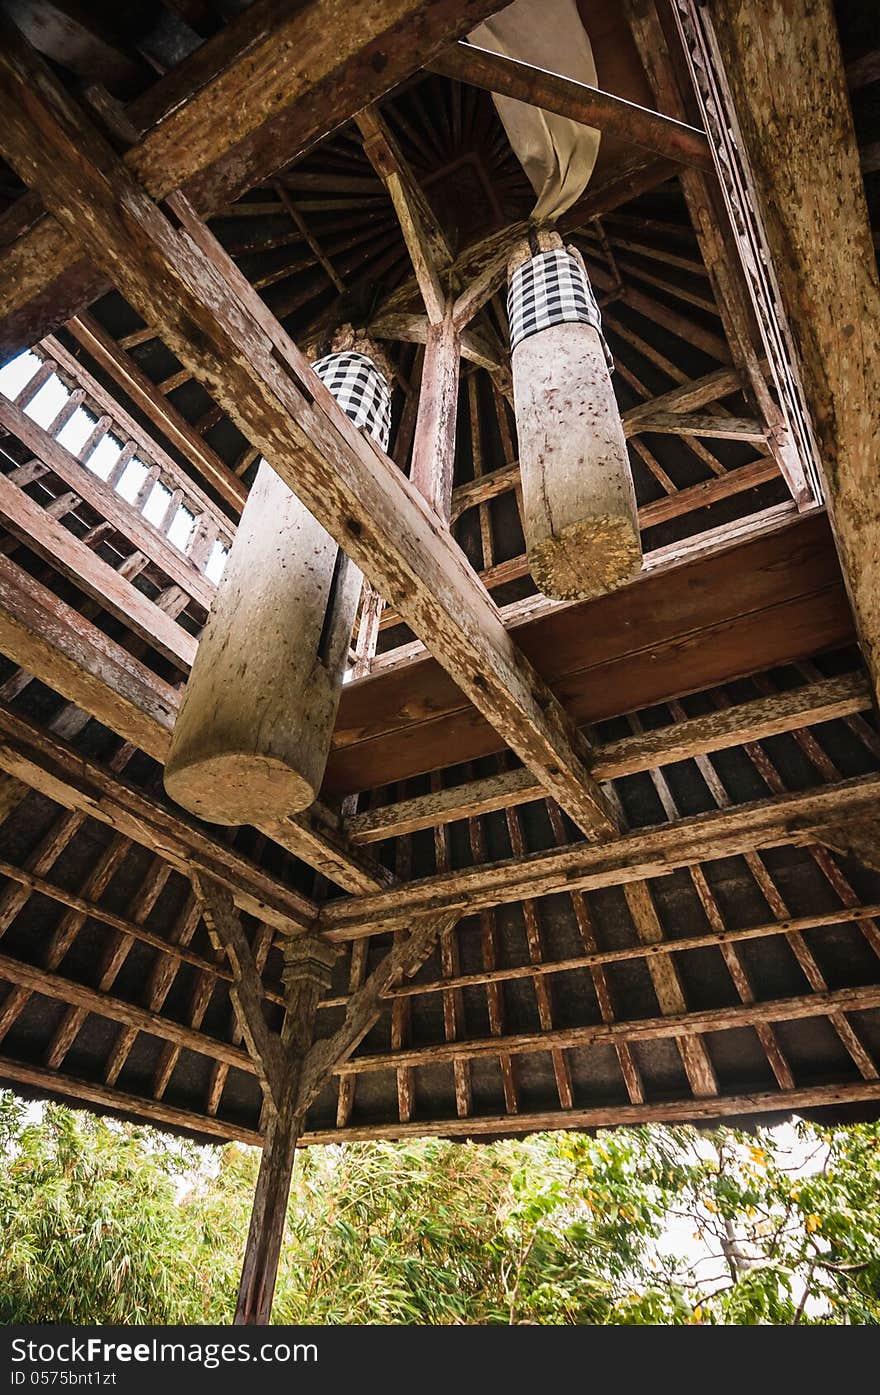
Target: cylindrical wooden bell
[[252, 737], [579, 506]]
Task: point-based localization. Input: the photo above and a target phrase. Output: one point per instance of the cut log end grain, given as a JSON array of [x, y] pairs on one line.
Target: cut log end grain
[[588, 558], [239, 787]]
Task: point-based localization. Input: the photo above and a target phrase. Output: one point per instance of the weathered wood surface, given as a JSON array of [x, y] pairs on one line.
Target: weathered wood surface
[[433, 455], [822, 701], [722, 615], [73, 370], [428, 248], [600, 957], [678, 1024], [103, 498], [92, 1000], [75, 560], [617, 1115], [781, 1103], [590, 106], [307, 965], [246, 988], [109, 1099], [579, 506], [253, 730], [631, 857], [710, 221], [49, 638], [50, 765], [255, 372], [829, 283], [262, 91], [134, 382]]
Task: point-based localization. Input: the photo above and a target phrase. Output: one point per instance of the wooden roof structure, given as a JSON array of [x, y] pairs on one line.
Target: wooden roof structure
[[192, 190]]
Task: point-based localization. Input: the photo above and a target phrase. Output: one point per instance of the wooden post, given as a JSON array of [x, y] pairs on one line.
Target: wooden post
[[580, 517], [433, 458], [308, 960], [252, 736], [782, 67]]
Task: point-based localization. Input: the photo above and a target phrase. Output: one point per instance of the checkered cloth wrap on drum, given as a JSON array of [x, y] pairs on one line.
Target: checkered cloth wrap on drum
[[361, 391], [551, 289]]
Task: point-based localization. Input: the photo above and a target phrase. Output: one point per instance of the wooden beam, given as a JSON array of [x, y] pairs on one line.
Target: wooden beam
[[230, 117], [57, 545], [433, 455], [829, 284], [631, 857], [509, 77], [50, 765], [364, 1006], [230, 341], [103, 498], [307, 968], [675, 1025], [124, 424], [145, 395], [428, 249], [410, 327], [716, 939], [682, 399], [92, 1000], [131, 929], [482, 267], [720, 614], [50, 639], [695, 424], [781, 1103], [53, 641], [110, 1100], [732, 293], [823, 701]]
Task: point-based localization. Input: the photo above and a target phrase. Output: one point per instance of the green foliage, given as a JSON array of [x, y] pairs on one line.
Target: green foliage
[[103, 1222]]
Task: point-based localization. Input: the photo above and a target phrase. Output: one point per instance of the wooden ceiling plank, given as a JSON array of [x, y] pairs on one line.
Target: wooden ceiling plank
[[823, 700], [103, 498], [57, 545], [53, 767], [107, 1099]]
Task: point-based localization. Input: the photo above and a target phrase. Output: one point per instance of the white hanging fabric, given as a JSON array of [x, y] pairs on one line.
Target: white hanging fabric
[[557, 154]]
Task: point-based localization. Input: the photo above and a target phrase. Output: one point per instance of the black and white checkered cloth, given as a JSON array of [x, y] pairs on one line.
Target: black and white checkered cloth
[[551, 289], [361, 391]]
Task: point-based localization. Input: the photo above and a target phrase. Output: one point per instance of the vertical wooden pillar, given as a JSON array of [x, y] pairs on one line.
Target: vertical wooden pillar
[[781, 63], [580, 516], [308, 961], [433, 459]]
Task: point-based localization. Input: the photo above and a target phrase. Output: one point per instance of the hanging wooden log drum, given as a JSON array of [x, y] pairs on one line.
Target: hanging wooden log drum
[[252, 737], [579, 506]]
